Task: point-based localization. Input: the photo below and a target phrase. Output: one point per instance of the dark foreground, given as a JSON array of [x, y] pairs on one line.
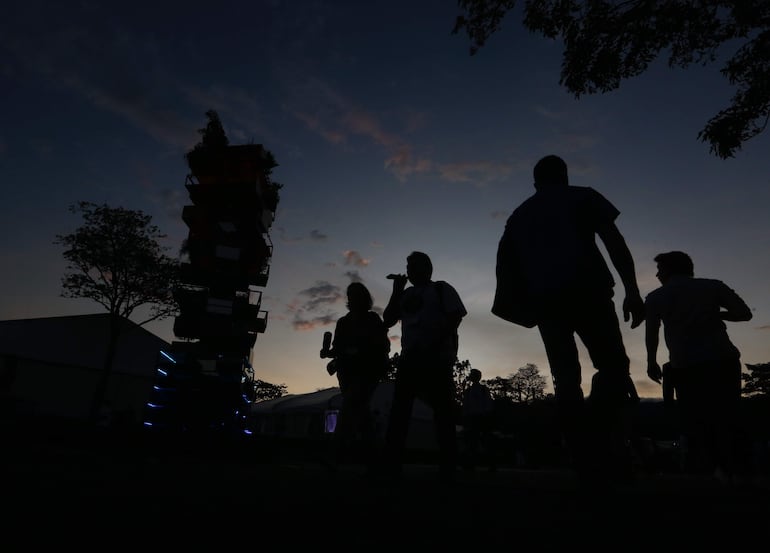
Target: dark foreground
[[107, 496]]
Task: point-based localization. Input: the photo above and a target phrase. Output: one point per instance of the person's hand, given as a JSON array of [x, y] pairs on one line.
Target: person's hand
[[654, 372], [633, 308], [324, 353], [399, 281]]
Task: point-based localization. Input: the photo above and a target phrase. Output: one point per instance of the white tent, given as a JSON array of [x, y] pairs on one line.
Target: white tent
[[314, 414], [57, 364]]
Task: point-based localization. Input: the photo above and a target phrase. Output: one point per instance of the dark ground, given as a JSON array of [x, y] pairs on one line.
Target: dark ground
[[103, 493]]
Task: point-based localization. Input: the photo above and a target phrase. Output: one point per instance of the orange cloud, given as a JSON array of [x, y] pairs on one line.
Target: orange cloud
[[352, 257]]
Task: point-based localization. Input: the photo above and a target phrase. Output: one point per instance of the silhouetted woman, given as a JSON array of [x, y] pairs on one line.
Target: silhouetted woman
[[360, 350]]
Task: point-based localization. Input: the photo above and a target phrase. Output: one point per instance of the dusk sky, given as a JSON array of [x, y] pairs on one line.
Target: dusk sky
[[390, 138]]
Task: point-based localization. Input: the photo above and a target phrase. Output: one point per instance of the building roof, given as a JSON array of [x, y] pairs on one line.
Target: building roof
[[80, 340]]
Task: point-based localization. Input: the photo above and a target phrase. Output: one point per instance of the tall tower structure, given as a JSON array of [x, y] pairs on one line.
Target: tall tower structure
[[206, 382]]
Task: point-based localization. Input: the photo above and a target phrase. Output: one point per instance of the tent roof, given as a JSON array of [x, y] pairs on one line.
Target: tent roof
[[331, 398], [314, 401], [80, 340]]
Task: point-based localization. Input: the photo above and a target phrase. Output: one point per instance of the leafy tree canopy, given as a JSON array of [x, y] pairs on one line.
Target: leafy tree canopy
[[265, 390], [608, 41], [756, 382], [115, 259], [526, 385], [213, 136]]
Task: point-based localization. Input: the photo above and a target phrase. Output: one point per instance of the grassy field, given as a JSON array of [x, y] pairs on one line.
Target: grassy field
[[97, 491]]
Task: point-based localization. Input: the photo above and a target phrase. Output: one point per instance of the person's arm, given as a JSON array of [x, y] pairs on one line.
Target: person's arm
[[620, 255], [651, 331], [454, 319], [735, 309], [392, 312], [453, 307], [333, 349]]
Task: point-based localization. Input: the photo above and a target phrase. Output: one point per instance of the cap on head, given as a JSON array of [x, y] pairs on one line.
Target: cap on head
[[550, 170]]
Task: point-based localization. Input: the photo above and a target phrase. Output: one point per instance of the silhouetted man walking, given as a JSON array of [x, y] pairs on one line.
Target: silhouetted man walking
[[551, 274], [704, 363]]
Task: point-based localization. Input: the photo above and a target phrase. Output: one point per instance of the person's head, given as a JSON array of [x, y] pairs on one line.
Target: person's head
[[550, 171], [359, 298], [419, 268], [673, 263], [474, 375]]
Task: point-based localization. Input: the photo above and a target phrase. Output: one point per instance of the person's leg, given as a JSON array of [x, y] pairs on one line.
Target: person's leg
[[731, 449], [561, 351], [688, 393], [487, 446], [599, 329], [404, 392], [366, 424], [471, 438], [613, 397], [437, 390]]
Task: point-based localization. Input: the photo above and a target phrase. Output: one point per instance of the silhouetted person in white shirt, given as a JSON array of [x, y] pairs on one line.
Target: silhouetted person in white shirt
[[705, 364], [430, 314]]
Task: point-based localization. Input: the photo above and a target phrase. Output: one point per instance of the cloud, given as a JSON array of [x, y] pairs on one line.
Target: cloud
[[342, 123], [300, 324], [173, 201], [354, 276], [338, 120], [96, 57], [403, 164], [477, 173], [314, 306], [233, 105], [314, 123], [322, 294], [284, 238], [85, 53], [314, 235], [548, 113], [352, 257]]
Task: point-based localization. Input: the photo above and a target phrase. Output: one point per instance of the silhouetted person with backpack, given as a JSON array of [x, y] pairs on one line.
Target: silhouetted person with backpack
[[551, 274], [704, 363], [359, 350], [430, 313]]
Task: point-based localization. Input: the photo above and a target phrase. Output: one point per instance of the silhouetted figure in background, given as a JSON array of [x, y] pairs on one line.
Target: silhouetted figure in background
[[705, 364], [360, 350], [478, 424], [430, 314], [551, 274]]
